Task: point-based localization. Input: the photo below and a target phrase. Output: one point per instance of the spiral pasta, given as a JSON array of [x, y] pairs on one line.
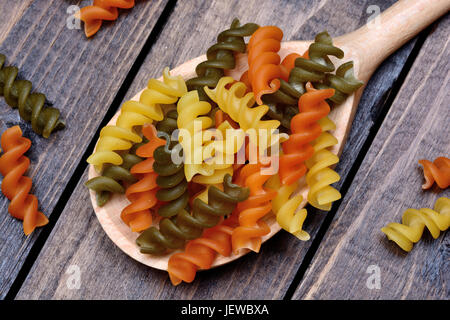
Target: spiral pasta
[[313, 66], [283, 102], [173, 233], [414, 221], [203, 155], [317, 69], [17, 93], [343, 82], [220, 57], [136, 113], [218, 154], [169, 123], [238, 105], [112, 177], [100, 10], [285, 208], [15, 186], [200, 254], [320, 176], [193, 120], [171, 180], [251, 226], [142, 194], [305, 129], [437, 171], [264, 69]]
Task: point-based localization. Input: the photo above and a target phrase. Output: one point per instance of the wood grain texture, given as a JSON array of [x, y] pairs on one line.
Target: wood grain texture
[[10, 13], [388, 182], [81, 77], [78, 238]]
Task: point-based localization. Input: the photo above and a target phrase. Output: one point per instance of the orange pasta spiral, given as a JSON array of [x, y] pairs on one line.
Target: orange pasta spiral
[[305, 129], [15, 186], [437, 171], [264, 69], [200, 253], [142, 194], [251, 228], [93, 15], [289, 61]]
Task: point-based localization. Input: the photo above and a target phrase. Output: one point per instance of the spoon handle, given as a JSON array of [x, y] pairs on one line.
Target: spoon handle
[[383, 35]]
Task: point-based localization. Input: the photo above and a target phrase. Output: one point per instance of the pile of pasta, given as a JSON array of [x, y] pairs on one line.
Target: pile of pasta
[[196, 210]]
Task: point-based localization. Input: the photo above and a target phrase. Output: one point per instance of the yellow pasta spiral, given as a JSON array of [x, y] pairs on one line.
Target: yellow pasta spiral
[[192, 120], [414, 221], [215, 178], [239, 106], [285, 208], [122, 135], [320, 176], [211, 153], [218, 152]]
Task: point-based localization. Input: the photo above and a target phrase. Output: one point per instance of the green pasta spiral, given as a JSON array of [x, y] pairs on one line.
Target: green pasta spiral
[[171, 179], [169, 123], [343, 82], [173, 233], [110, 180], [315, 68], [17, 94], [283, 104], [220, 57]]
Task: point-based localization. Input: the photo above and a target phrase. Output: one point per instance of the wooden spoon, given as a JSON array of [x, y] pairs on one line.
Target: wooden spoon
[[367, 47]]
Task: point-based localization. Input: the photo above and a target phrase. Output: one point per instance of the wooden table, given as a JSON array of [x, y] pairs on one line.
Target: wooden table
[[403, 116]]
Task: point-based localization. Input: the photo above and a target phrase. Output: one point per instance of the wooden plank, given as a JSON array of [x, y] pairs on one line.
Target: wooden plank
[[81, 77], [10, 13], [388, 182], [108, 273]]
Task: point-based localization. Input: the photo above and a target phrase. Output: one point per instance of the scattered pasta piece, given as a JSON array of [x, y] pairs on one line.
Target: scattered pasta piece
[[437, 171], [15, 186], [17, 93], [100, 10], [414, 221]]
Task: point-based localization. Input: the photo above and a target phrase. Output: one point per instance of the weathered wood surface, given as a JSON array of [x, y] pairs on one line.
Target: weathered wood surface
[[81, 77], [106, 272], [388, 182], [10, 13]]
